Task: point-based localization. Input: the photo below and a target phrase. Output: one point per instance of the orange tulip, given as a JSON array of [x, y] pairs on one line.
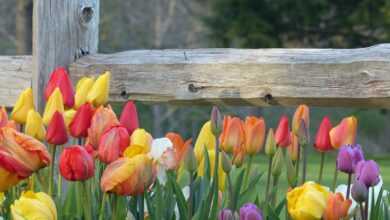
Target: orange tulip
[[344, 133], [179, 145], [337, 207], [232, 134], [293, 147], [254, 134], [238, 156], [129, 176], [301, 114], [3, 117], [103, 119], [20, 156]]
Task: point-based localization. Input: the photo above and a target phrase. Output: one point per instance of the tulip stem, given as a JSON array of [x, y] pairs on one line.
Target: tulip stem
[[335, 178], [268, 178], [102, 206], [275, 190], [232, 200], [349, 185], [141, 212], [362, 211], [51, 169], [304, 166], [87, 203], [321, 167], [191, 197], [248, 171], [297, 163], [366, 206]]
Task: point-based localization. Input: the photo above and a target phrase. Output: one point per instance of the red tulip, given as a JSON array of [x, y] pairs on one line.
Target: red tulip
[[60, 78], [112, 143], [282, 134], [129, 117], [56, 130], [81, 121], [76, 164], [322, 142]]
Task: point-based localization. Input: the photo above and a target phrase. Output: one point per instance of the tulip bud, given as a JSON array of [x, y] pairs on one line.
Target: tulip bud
[[368, 173], [359, 191], [56, 130], [282, 134], [226, 164], [98, 94], [216, 121], [34, 125], [81, 121], [83, 86], [301, 115], [238, 157], [190, 162], [226, 214], [22, 106], [348, 158], [249, 211], [291, 171], [76, 164], [277, 163], [293, 147], [55, 103], [129, 117], [270, 144], [322, 142], [59, 78]]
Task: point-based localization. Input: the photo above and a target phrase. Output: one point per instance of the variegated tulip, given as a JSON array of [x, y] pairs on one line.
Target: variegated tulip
[[54, 104], [59, 78], [113, 143], [344, 133]]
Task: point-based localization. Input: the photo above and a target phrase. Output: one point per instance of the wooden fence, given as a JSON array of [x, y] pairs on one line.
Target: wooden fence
[[66, 33]]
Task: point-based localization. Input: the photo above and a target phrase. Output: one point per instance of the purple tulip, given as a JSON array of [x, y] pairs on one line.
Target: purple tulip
[[368, 173], [359, 191], [348, 157], [250, 211], [225, 214]]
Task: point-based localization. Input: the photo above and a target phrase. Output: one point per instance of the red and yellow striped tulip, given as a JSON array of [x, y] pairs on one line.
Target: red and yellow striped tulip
[[113, 143]]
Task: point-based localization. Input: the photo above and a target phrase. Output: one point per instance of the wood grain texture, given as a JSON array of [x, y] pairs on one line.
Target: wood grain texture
[[15, 76], [63, 31], [261, 77]]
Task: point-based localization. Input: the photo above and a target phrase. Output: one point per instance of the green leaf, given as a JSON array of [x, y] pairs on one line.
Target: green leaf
[[180, 200], [250, 193]]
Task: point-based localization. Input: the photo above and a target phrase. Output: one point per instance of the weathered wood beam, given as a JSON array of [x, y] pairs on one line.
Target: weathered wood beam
[[15, 76], [262, 77]]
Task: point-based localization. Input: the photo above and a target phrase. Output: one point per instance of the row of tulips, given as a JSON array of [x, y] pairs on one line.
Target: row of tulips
[[80, 161]]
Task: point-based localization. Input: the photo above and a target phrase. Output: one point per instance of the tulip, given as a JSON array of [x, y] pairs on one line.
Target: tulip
[[3, 117], [206, 139], [140, 143], [216, 121], [103, 119], [336, 207], [348, 157], [226, 214], [81, 122], [291, 170], [34, 125], [68, 116], [98, 94], [232, 134], [226, 163], [129, 176], [254, 134], [179, 145], [76, 164], [282, 134], [301, 114], [344, 133], [20, 156], [54, 104], [359, 191], [56, 130], [249, 211], [322, 141], [221, 174], [238, 156], [32, 206], [368, 173], [129, 117], [24, 104], [307, 202], [168, 160], [83, 86], [293, 147], [59, 78], [113, 143], [277, 163], [270, 144]]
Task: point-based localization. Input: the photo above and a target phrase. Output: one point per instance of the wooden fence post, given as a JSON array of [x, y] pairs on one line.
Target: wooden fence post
[[63, 31]]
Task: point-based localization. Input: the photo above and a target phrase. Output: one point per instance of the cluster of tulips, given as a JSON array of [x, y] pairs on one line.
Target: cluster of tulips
[[80, 161]]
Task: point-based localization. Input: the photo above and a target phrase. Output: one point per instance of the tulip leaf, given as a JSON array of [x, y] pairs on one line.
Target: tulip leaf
[[237, 185], [249, 194], [207, 171], [279, 208], [151, 208], [270, 213], [181, 201]]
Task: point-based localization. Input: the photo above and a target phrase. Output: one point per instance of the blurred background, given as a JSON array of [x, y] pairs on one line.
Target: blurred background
[[159, 24]]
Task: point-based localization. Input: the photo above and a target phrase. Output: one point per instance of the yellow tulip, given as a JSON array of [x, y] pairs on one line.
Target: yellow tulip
[[98, 94], [206, 139], [31, 206], [221, 173], [140, 143], [68, 116], [307, 202], [24, 104], [34, 125], [54, 103], [82, 89]]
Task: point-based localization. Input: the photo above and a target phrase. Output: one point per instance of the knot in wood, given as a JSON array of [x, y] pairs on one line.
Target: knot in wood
[[86, 14]]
